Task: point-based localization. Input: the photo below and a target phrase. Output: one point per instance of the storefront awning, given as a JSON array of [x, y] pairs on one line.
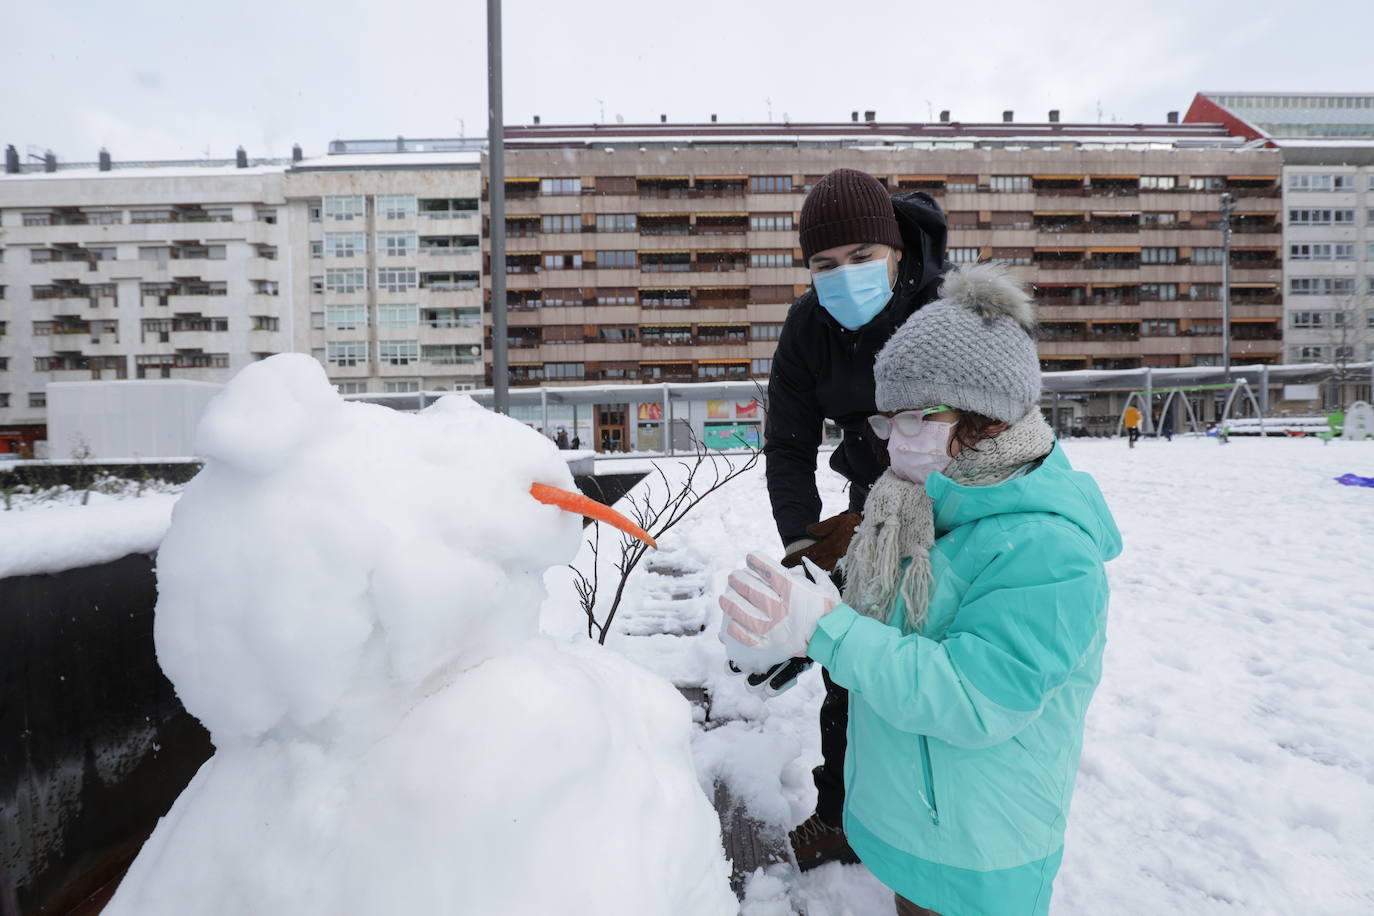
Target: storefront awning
[[1119, 177]]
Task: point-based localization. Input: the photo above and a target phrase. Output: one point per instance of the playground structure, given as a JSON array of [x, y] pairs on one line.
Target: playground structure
[[1240, 388]]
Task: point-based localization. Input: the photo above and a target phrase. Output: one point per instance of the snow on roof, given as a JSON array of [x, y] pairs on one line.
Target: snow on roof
[[145, 170], [462, 158]]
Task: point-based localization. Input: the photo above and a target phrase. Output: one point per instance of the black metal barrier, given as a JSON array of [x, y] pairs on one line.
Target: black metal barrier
[[94, 744]]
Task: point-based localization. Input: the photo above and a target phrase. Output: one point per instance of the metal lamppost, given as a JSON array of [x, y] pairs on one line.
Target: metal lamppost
[[496, 193], [1228, 206]]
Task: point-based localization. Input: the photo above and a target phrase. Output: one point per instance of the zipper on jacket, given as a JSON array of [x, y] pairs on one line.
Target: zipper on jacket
[[928, 796]]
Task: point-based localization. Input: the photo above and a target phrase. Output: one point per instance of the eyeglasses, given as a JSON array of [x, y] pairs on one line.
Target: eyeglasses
[[908, 422]]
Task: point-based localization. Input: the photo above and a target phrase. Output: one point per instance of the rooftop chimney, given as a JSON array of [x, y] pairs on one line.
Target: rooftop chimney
[[11, 160], [241, 158], [1006, 116], [663, 119], [944, 116], [870, 116], [1173, 117], [536, 120], [104, 159], [50, 161], [1054, 115], [296, 154]]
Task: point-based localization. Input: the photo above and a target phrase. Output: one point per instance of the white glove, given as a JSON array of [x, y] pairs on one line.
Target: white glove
[[770, 612]]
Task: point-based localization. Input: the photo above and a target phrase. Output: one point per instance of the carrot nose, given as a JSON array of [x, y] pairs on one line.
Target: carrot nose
[[584, 505]]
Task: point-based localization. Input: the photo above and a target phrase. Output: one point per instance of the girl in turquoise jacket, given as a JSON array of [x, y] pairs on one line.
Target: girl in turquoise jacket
[[972, 624]]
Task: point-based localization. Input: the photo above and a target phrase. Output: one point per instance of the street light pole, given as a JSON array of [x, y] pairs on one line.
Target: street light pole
[[1228, 206], [496, 195]]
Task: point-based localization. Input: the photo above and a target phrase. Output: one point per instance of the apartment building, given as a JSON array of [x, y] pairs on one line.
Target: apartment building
[[1328, 213], [386, 268], [669, 252], [134, 273]]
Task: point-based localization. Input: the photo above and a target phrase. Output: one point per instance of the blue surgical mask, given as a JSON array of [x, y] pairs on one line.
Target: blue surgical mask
[[854, 293]]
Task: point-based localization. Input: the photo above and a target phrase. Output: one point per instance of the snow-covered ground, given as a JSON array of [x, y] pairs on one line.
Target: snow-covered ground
[[1229, 761]]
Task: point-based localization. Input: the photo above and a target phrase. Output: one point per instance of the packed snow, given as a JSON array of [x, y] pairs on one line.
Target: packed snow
[[1228, 764], [60, 533], [349, 600]]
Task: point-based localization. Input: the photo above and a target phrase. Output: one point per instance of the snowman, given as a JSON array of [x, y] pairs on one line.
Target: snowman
[[348, 599]]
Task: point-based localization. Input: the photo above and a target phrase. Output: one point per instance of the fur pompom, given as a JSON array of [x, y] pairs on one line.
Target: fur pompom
[[990, 290]]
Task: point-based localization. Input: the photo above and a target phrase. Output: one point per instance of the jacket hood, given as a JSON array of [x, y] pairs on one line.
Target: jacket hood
[[924, 234], [1054, 488]]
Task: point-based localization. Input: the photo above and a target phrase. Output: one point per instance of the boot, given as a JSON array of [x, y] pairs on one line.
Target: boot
[[814, 842]]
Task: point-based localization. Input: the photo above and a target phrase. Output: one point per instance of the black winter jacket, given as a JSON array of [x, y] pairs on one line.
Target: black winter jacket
[[823, 371]]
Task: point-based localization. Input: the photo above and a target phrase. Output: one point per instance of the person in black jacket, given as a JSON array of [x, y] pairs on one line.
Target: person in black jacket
[[823, 369]]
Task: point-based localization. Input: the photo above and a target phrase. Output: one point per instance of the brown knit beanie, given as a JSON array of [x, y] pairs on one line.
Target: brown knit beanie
[[847, 207]]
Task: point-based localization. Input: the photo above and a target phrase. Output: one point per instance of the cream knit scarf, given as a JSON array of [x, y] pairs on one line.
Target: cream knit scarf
[[899, 522]]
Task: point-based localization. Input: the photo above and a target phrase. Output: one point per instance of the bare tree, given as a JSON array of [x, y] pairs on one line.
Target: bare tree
[[656, 513], [1342, 337]]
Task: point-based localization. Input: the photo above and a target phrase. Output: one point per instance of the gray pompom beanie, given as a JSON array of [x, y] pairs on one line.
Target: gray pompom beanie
[[972, 349]]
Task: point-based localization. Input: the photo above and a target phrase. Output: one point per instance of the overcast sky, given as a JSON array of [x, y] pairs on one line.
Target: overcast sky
[[157, 79]]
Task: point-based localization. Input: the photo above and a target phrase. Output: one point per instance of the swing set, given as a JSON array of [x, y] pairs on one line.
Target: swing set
[[1240, 387]]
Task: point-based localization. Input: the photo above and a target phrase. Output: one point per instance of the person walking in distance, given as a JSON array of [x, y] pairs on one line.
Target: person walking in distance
[[874, 259], [1132, 421]]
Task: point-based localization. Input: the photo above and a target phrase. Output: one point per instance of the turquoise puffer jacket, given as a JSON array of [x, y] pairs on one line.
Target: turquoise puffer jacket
[[964, 739]]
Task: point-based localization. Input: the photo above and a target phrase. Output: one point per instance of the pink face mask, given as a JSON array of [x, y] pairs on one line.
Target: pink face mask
[[916, 446]]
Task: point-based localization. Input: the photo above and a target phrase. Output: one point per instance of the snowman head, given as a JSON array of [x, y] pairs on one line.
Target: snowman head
[[334, 554]]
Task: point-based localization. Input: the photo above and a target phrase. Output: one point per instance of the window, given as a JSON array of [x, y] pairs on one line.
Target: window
[[397, 279], [1158, 182], [346, 353], [345, 207], [560, 186], [1318, 353], [615, 259], [765, 331], [351, 387], [562, 222], [1320, 320], [1369, 251], [398, 316], [1343, 252], [317, 249], [265, 323], [1308, 217], [1368, 290], [395, 206], [345, 317], [1159, 292], [317, 284], [1308, 181], [1159, 255], [1205, 291], [266, 214], [314, 208], [402, 387], [564, 261], [397, 244], [1321, 286], [1342, 217], [345, 279], [615, 222], [4, 399], [38, 399], [1343, 182], [1159, 327], [781, 222], [265, 287], [1207, 255], [1207, 183], [1158, 220], [398, 352], [761, 366], [612, 296], [1009, 183], [964, 255], [770, 259], [770, 184], [345, 244], [564, 370]]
